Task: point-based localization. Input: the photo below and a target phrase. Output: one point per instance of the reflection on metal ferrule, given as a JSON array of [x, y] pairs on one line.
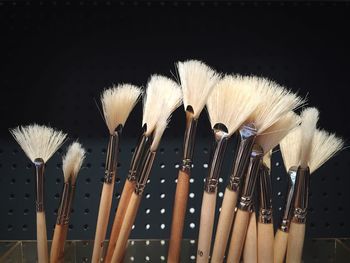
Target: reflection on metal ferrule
[[189, 139], [65, 204], [39, 190], [301, 195], [265, 195], [111, 157], [144, 172]]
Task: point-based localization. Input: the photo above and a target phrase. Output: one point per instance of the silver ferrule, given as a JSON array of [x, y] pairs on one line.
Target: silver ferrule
[[288, 211], [144, 172], [265, 195], [66, 203], [39, 186], [217, 156], [248, 187], [247, 135], [112, 156], [189, 140], [301, 200]]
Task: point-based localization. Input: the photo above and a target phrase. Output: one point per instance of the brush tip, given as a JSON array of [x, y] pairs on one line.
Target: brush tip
[[72, 161]]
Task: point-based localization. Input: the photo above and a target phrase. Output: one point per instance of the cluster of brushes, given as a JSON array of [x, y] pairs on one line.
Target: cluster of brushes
[[259, 111]]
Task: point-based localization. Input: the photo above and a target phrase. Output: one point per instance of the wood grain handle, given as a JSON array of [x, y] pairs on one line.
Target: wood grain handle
[[206, 226], [265, 243], [239, 232], [223, 229], [280, 246], [179, 213], [119, 217], [43, 254], [102, 221], [56, 247], [295, 243], [126, 227], [250, 250]]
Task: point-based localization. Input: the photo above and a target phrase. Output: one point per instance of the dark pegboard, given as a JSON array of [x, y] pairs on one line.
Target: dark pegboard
[[57, 57]]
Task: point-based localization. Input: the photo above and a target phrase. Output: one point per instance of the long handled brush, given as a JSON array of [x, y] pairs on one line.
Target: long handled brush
[[71, 164], [197, 81], [229, 105], [163, 96], [39, 143], [117, 103]]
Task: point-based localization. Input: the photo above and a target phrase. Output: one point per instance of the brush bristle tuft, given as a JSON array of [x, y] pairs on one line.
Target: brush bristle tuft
[[72, 161], [161, 126], [38, 141], [290, 148]]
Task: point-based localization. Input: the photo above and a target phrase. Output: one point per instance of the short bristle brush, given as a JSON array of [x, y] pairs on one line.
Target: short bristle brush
[[39, 143], [71, 165]]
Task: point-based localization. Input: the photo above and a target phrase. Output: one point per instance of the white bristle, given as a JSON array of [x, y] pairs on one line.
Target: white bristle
[[117, 103], [38, 141], [290, 148], [267, 159], [161, 126], [231, 102], [324, 146], [197, 81], [309, 118], [275, 133], [72, 161], [162, 97], [276, 101]]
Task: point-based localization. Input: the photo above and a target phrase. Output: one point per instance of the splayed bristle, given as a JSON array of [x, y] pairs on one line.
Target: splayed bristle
[[72, 161], [163, 96], [232, 101], [38, 141], [161, 126], [275, 133], [324, 146], [290, 148], [309, 118], [197, 81], [276, 101], [267, 159], [117, 103]]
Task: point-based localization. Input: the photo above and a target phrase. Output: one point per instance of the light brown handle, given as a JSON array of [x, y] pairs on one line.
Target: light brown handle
[[119, 217], [126, 227], [179, 213], [250, 250], [223, 229], [239, 232], [280, 246], [206, 226], [102, 220], [265, 243], [295, 243], [43, 253], [56, 247]]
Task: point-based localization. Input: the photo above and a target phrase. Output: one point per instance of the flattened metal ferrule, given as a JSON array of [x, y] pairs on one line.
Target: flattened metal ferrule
[[285, 225], [186, 165], [39, 190], [111, 158], [301, 195], [190, 135], [265, 216], [145, 172], [265, 195]]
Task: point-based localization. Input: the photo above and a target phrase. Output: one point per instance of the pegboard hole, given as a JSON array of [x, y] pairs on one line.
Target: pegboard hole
[[28, 181], [12, 196], [117, 195], [162, 211], [177, 166], [162, 165], [148, 196], [191, 180], [88, 180], [162, 196], [147, 211], [13, 181], [193, 257], [26, 196], [162, 180], [24, 228], [162, 226], [192, 210], [86, 227], [86, 211], [87, 195], [10, 212], [192, 225], [162, 258], [57, 195], [147, 258], [221, 194], [191, 195], [25, 211], [147, 226], [205, 165], [9, 227]]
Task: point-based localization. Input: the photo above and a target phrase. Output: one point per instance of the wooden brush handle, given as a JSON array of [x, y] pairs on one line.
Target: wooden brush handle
[[43, 254], [223, 229], [56, 247], [295, 243], [179, 213], [206, 226], [250, 250], [102, 220], [126, 227], [119, 217], [239, 232], [265, 243], [280, 246]]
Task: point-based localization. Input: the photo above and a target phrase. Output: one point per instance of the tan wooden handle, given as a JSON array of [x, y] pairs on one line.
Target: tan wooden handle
[[280, 246], [179, 213], [239, 232], [265, 243], [126, 227], [295, 243], [43, 253], [223, 229], [206, 226], [119, 217], [102, 221], [250, 250], [56, 247]]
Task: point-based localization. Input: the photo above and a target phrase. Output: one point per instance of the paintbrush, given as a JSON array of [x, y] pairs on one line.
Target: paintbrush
[[71, 164], [117, 103], [39, 143]]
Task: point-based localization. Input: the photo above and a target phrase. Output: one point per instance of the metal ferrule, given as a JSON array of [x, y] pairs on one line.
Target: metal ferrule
[[189, 140], [247, 135], [217, 157], [112, 156], [39, 190], [265, 195], [247, 191], [301, 195], [288, 211], [65, 204], [144, 172]]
